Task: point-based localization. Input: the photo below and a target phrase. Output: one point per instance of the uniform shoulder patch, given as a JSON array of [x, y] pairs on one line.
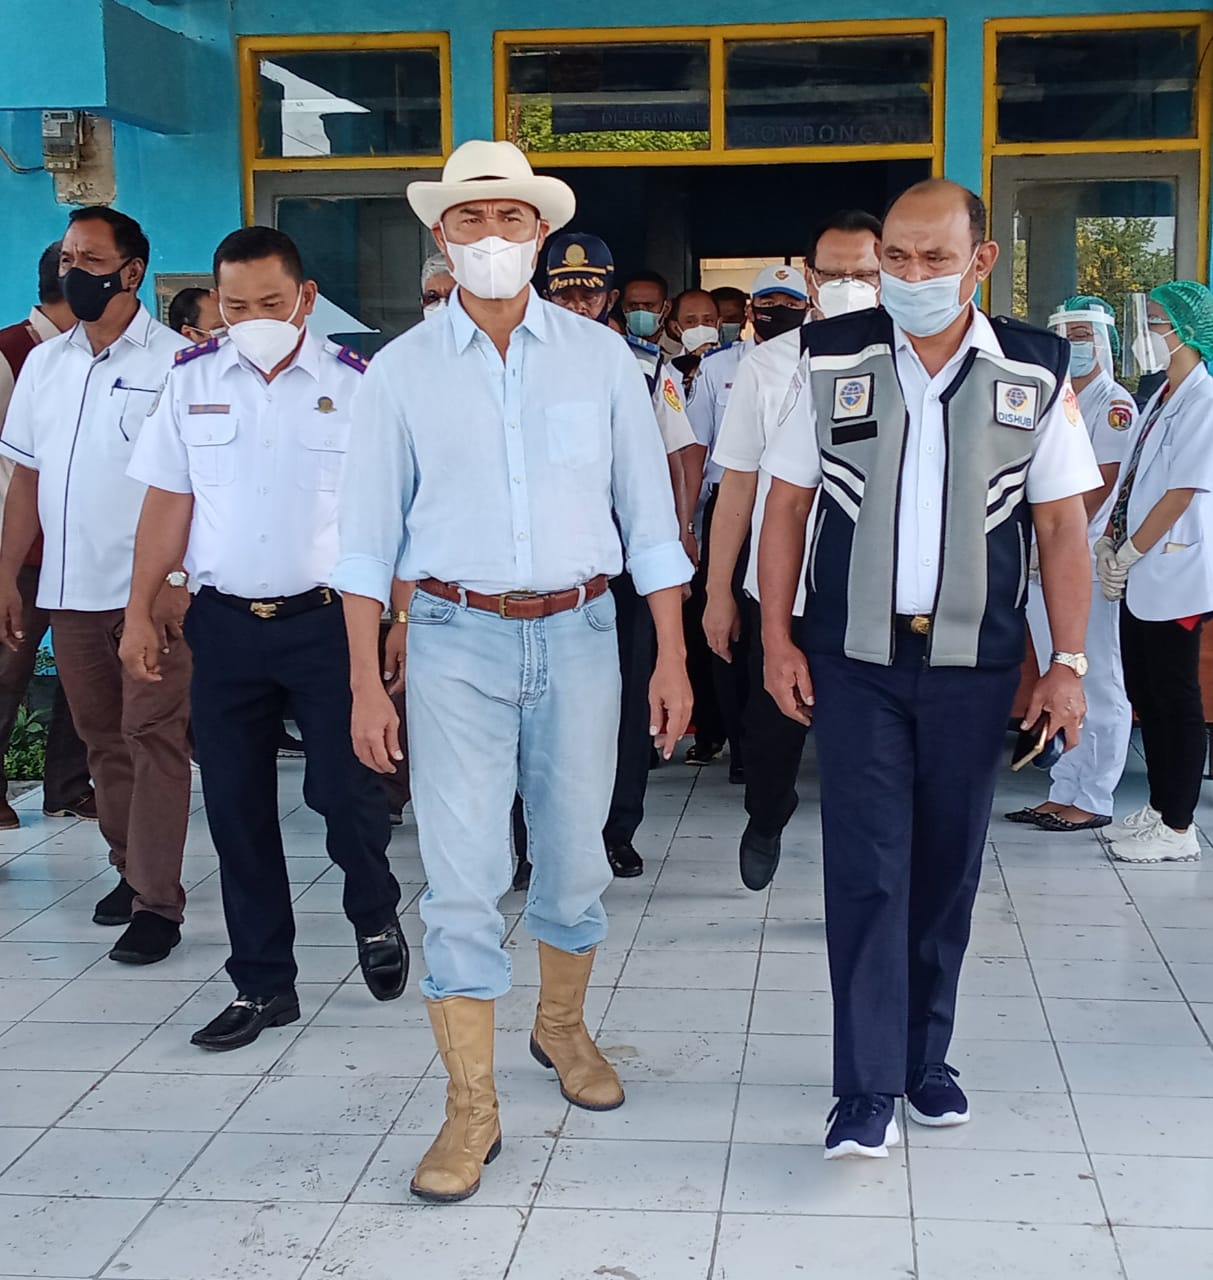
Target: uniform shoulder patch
[[1120, 415], [1069, 404], [186, 354], [348, 356], [670, 392]]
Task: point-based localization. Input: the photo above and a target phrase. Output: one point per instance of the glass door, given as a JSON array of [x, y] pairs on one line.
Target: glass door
[[359, 240], [1100, 224]]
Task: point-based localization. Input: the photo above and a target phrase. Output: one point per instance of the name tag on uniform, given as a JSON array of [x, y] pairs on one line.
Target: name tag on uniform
[[852, 397], [210, 408], [1015, 405]]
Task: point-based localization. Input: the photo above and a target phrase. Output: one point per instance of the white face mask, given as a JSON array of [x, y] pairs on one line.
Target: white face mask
[[434, 310], [263, 342], [1152, 355], [699, 335], [493, 267], [839, 297], [924, 308]]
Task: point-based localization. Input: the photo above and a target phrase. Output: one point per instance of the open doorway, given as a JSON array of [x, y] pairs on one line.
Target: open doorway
[[672, 219]]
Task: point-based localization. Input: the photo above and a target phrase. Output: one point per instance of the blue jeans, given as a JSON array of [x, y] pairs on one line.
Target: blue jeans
[[496, 706]]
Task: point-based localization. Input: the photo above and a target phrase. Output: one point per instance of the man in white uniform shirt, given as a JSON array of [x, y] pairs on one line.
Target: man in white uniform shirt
[[842, 265], [933, 441], [499, 458], [242, 458], [76, 413]]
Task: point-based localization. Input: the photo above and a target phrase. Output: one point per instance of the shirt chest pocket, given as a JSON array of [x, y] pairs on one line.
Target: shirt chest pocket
[[574, 433], [210, 441], [324, 438], [131, 413]]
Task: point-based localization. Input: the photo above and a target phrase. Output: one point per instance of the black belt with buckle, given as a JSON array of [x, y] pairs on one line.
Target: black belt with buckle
[[277, 607], [918, 624]]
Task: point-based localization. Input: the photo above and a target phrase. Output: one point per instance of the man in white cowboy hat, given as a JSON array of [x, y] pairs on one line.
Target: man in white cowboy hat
[[499, 455]]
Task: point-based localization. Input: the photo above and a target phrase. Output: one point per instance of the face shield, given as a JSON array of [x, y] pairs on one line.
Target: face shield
[[1140, 357], [1089, 333]]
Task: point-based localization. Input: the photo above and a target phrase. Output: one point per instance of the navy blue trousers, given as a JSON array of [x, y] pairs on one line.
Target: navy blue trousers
[[245, 668], [908, 756], [637, 654]]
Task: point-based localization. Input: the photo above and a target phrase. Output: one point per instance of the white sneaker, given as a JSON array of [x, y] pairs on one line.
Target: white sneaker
[[1158, 843], [1146, 816]]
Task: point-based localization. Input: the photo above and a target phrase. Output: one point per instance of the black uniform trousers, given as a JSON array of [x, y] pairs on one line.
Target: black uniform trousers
[[908, 756], [773, 743], [709, 717], [244, 670], [1162, 678], [637, 654]]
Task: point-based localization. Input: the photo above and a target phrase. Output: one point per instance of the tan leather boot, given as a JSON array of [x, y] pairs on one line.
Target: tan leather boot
[[560, 1038], [471, 1136]]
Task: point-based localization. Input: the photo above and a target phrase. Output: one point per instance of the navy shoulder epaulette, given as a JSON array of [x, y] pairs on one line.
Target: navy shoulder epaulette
[[186, 354], [716, 351], [641, 345], [348, 356]]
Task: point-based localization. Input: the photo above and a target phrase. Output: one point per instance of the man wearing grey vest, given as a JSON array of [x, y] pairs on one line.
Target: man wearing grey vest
[[934, 440]]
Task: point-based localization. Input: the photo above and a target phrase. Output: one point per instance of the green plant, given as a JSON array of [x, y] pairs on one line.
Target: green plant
[[26, 756]]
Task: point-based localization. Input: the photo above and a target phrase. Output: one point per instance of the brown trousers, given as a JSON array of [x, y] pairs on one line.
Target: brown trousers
[[138, 752]]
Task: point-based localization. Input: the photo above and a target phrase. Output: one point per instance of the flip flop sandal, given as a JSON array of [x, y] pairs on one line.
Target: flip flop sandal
[[1051, 822]]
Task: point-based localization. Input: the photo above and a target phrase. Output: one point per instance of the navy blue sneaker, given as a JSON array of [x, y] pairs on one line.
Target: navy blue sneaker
[[934, 1098], [862, 1124]]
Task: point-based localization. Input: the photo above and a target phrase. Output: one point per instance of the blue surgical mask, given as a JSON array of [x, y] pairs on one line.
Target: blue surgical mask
[[924, 308], [730, 331], [1082, 359], [642, 324]]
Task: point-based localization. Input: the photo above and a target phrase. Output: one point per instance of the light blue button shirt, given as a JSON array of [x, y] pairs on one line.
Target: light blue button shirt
[[506, 475]]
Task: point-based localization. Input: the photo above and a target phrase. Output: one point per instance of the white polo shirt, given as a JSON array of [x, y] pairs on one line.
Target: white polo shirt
[[760, 387], [263, 461], [74, 418], [706, 408], [1063, 462]]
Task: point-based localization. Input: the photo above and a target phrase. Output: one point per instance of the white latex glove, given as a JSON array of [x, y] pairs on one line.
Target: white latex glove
[[1104, 551], [1114, 573]]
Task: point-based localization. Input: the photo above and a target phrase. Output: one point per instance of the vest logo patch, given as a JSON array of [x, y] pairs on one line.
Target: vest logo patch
[[852, 397], [1015, 405]]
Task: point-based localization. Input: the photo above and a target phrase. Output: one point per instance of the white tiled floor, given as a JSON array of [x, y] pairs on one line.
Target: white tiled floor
[[1083, 1036]]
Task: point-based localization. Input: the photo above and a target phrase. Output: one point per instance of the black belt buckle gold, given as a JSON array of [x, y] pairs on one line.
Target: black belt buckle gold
[[264, 608], [920, 624]]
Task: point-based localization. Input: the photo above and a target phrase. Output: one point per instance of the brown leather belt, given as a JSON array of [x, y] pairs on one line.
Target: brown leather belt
[[518, 606]]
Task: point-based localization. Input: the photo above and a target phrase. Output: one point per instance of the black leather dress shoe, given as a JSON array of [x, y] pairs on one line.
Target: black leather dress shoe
[[625, 862], [384, 958], [115, 907], [759, 858], [147, 939], [245, 1019]]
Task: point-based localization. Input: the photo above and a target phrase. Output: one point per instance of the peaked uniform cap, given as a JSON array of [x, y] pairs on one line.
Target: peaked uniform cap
[[480, 170]]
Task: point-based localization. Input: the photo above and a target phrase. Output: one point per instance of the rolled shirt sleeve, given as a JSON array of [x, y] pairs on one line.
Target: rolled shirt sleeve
[[1063, 461], [161, 459], [793, 453], [377, 486], [640, 485]]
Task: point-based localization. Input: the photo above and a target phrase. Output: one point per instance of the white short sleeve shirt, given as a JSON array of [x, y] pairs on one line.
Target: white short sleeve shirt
[[75, 417]]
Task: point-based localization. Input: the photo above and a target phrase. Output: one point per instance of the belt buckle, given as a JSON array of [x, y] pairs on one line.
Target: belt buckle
[[506, 596], [264, 608], [920, 624]]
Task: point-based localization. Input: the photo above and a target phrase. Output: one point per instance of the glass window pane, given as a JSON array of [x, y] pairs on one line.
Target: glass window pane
[[608, 97], [377, 102], [1087, 86], [839, 92], [1109, 237]]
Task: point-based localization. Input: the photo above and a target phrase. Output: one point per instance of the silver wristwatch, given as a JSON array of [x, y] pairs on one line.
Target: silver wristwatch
[[177, 578], [1077, 662]]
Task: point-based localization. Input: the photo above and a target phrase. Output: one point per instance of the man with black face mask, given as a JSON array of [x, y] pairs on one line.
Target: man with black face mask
[[76, 412], [780, 302]]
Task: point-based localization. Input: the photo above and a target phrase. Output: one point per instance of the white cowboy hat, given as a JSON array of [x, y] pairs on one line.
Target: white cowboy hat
[[480, 170]]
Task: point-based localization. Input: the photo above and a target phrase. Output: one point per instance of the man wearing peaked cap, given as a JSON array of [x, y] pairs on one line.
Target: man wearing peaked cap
[[521, 472]]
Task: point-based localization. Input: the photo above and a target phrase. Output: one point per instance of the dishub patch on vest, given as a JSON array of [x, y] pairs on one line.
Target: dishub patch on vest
[[852, 397], [1015, 405]]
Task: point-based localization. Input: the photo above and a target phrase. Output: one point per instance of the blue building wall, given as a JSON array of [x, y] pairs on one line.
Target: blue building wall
[[186, 187]]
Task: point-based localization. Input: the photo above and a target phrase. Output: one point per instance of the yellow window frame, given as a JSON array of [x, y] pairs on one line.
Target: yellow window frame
[[251, 49], [716, 38], [1202, 20]]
